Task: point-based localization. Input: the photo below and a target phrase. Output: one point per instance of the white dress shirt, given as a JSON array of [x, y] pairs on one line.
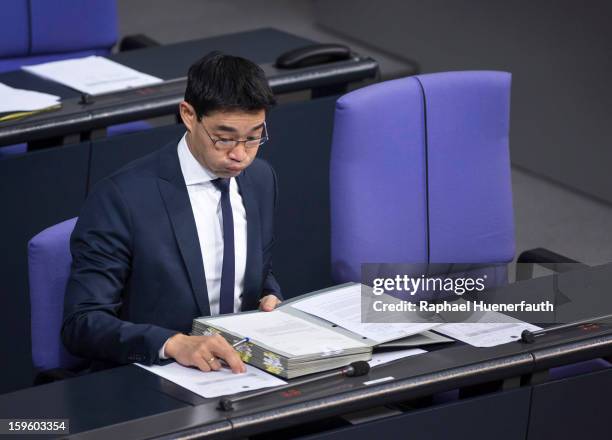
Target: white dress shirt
[[205, 201]]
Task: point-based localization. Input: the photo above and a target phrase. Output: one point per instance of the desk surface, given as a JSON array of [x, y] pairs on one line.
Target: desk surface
[[173, 60], [128, 402]]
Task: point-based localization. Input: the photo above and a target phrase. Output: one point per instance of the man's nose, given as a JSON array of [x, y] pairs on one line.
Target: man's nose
[[238, 153]]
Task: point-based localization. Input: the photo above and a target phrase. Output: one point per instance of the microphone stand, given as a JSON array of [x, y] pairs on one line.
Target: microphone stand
[[359, 368]]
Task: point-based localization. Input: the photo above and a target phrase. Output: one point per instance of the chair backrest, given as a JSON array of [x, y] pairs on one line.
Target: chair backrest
[[14, 28], [420, 172], [35, 31], [49, 263]]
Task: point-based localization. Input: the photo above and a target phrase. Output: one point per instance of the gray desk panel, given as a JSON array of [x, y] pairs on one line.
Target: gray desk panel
[[573, 408], [502, 416]]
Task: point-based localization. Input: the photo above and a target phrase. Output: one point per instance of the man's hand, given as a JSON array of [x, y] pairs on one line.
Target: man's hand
[[268, 303], [203, 352]]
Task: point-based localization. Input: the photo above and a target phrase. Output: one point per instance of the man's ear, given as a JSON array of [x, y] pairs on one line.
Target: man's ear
[[188, 115]]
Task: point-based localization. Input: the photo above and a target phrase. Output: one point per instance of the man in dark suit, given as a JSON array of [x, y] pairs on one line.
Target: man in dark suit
[[184, 232]]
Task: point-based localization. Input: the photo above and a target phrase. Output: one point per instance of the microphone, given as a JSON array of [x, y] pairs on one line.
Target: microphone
[[359, 368], [355, 369], [529, 337]]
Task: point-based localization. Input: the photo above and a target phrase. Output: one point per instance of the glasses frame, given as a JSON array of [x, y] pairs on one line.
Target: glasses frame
[[262, 140]]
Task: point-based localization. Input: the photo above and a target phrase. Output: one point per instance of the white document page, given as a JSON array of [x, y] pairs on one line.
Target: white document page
[[342, 306], [388, 356], [215, 383], [493, 329], [20, 100], [287, 333], [93, 75]]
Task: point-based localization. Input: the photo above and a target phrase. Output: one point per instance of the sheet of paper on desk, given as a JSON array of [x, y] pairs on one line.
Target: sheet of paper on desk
[[215, 383], [93, 75], [287, 333], [342, 306], [493, 329], [20, 100], [388, 356]]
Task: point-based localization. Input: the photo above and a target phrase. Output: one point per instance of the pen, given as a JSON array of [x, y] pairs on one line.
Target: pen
[[235, 345], [18, 115], [240, 342]]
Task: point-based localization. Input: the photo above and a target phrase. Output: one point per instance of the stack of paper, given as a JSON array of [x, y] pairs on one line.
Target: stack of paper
[[19, 100], [286, 345], [324, 331], [342, 306], [93, 75]]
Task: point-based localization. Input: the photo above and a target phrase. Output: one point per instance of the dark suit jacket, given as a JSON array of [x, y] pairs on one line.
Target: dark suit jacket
[[137, 275]]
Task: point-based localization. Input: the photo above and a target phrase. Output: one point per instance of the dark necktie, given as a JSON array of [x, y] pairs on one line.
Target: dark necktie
[[226, 299]]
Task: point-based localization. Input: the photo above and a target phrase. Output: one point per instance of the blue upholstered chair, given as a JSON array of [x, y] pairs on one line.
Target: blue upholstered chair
[[49, 263], [39, 31], [420, 173]]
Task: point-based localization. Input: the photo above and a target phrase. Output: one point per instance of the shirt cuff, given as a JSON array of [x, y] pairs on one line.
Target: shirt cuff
[[162, 351]]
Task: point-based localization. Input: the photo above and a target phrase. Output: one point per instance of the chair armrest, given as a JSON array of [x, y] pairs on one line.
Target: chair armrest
[[137, 41], [545, 258]]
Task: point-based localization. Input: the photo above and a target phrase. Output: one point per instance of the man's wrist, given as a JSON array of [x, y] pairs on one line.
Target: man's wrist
[[162, 351], [167, 350]]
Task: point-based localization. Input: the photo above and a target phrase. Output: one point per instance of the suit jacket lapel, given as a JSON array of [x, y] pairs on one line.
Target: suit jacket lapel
[[253, 275], [174, 194]]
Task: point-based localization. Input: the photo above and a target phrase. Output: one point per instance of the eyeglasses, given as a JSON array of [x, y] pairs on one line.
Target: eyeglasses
[[230, 144]]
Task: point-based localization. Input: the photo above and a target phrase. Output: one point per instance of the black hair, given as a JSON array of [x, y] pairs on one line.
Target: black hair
[[220, 82]]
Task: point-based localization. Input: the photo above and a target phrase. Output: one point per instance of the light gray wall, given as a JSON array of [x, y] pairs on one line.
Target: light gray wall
[[559, 52]]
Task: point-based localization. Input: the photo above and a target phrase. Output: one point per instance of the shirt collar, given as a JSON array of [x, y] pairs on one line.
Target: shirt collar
[[193, 172]]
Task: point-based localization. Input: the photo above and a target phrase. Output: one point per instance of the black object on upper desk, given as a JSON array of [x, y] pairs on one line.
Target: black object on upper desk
[[129, 402], [81, 115], [312, 55]]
